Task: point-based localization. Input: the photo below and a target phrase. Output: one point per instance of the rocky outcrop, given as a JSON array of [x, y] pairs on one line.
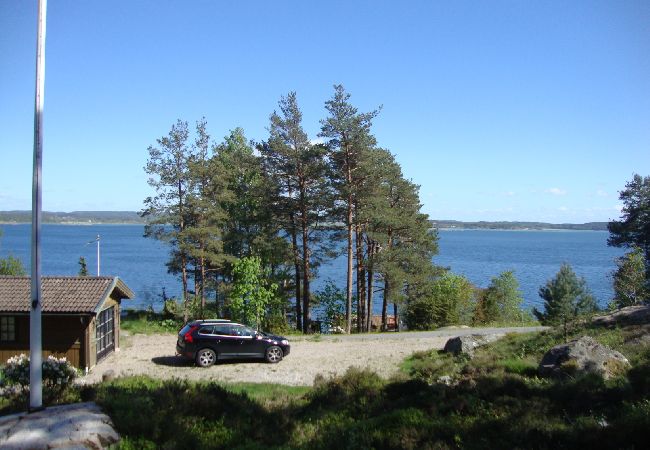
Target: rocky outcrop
[[79, 425], [583, 355], [467, 344], [630, 315]]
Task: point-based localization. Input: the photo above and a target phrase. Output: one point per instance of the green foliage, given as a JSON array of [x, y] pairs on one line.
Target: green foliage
[[633, 230], [430, 366], [83, 268], [251, 292], [630, 283], [448, 300], [149, 322], [566, 297], [58, 376], [331, 303], [501, 301], [12, 266], [494, 400]]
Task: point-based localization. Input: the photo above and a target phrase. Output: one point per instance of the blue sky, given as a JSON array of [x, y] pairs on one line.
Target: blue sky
[[502, 110]]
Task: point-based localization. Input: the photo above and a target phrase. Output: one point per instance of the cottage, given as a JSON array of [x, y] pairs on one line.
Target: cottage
[[80, 317]]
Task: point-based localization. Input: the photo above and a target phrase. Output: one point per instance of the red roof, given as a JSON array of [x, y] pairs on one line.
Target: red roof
[[61, 294]]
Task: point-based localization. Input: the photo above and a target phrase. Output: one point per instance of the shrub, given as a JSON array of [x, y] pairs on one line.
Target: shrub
[[58, 375], [449, 300]]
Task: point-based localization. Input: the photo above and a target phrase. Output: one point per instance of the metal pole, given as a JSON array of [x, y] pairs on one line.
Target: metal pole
[[35, 340], [97, 255]]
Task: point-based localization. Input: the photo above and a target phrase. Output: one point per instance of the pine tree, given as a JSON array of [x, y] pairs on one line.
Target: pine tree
[[249, 228], [400, 243], [304, 194], [630, 283], [204, 229], [566, 297], [166, 212], [83, 268], [633, 230], [349, 137]]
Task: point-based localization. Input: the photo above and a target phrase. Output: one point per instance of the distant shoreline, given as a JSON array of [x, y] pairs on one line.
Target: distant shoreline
[[88, 218]]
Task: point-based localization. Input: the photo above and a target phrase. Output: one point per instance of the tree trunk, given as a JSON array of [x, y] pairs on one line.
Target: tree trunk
[[371, 274], [202, 283], [384, 306], [395, 315], [305, 265], [296, 264], [181, 228], [186, 313], [196, 287], [348, 304], [361, 281]]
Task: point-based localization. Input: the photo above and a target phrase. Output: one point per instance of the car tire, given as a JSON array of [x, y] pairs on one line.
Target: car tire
[[206, 357], [273, 354]]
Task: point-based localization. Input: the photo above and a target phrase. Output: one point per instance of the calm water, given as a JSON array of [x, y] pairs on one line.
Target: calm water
[[535, 256]]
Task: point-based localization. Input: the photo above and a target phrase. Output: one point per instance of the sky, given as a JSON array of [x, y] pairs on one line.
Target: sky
[[499, 110]]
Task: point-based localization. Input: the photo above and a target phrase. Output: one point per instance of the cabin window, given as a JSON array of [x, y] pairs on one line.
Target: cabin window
[[105, 336], [7, 328]]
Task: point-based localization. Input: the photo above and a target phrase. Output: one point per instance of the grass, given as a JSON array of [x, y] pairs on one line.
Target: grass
[[146, 322], [496, 400]]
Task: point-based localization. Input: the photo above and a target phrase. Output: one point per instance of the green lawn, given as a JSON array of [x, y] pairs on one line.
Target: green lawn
[[496, 401]]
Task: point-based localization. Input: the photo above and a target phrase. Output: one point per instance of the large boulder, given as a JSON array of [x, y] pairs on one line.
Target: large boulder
[[74, 426], [630, 315], [468, 343], [583, 355]]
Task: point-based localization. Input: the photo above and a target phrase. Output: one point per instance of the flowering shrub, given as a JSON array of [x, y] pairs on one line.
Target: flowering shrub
[[58, 374]]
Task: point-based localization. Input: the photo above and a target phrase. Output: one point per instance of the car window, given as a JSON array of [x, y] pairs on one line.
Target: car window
[[242, 331], [207, 330], [223, 329]]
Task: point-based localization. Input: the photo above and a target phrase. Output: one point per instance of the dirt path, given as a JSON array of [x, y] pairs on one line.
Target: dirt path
[[154, 356]]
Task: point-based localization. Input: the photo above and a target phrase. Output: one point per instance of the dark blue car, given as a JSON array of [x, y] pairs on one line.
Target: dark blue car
[[206, 341]]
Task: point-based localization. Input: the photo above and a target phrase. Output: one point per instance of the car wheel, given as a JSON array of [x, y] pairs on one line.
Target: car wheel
[[274, 354], [206, 357]]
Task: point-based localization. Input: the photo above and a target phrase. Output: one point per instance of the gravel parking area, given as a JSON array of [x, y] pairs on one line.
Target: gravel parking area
[[153, 355]]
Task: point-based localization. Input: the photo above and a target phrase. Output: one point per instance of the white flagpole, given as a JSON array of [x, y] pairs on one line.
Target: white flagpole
[[35, 337], [97, 255]]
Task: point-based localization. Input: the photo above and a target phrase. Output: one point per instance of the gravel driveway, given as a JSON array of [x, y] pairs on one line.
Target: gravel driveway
[[153, 355]]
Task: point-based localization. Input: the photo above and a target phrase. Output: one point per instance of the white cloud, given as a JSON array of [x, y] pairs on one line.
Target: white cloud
[[555, 191]]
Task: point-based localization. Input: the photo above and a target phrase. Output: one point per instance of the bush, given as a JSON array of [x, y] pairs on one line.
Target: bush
[[449, 300], [58, 375]]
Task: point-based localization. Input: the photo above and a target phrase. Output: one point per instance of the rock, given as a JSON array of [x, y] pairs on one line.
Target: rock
[[79, 425], [109, 375], [630, 315], [445, 379], [583, 355], [468, 343]]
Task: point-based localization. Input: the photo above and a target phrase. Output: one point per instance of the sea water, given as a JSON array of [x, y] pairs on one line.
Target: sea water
[[534, 256]]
